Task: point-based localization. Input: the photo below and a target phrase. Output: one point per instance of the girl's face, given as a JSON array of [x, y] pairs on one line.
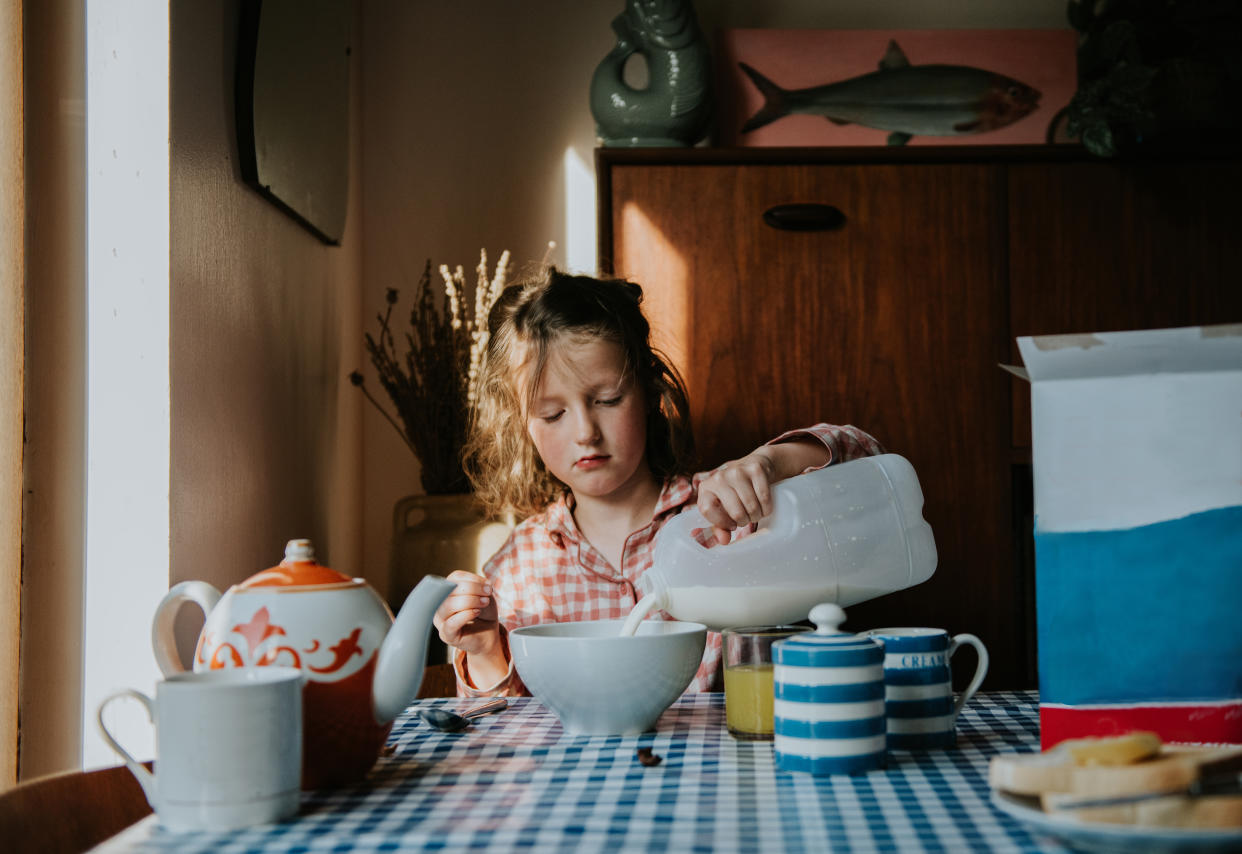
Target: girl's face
[[589, 421]]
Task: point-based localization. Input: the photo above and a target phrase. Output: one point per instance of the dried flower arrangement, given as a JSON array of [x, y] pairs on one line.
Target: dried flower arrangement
[[432, 385]]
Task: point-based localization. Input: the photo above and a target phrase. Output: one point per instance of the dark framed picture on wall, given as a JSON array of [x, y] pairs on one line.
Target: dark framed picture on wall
[[292, 108]]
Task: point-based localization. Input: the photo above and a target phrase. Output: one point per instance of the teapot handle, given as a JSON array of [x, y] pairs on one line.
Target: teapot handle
[[163, 639]]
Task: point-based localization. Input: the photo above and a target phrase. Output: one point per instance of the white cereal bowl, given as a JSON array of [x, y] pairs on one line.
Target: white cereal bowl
[[599, 683]]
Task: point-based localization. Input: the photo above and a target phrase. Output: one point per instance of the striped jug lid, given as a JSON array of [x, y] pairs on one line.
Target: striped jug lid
[[827, 646]]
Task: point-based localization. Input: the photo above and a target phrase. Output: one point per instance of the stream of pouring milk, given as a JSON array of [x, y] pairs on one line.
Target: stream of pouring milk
[[721, 607], [638, 613]]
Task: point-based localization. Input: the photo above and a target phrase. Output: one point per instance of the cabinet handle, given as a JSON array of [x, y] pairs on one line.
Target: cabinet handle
[[804, 217]]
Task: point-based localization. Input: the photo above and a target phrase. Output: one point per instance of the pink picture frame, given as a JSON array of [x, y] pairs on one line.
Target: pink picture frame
[[1042, 59]]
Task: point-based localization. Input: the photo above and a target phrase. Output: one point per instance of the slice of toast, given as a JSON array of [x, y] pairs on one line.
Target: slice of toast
[[1206, 811], [1052, 770], [1068, 773], [1173, 769], [1032, 773]]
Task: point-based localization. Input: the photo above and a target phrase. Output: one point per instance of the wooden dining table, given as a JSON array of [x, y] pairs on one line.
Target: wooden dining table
[[516, 781]]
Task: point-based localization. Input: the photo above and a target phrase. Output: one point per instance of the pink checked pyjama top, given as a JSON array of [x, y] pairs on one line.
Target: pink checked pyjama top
[[547, 572]]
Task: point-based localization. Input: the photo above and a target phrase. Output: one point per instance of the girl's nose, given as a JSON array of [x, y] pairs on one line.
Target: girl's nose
[[586, 429]]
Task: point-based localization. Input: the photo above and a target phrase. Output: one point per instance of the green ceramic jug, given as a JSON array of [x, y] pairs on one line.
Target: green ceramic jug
[[675, 107]]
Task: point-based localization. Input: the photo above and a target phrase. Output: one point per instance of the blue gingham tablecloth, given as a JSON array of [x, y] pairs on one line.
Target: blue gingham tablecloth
[[515, 781]]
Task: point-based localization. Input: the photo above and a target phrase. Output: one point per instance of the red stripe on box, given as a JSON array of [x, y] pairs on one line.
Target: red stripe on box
[[1218, 723]]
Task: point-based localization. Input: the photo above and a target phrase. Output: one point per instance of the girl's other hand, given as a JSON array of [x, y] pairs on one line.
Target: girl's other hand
[[737, 493], [467, 619]]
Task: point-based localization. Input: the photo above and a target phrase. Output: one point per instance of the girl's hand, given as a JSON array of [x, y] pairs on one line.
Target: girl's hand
[[738, 493], [467, 619]]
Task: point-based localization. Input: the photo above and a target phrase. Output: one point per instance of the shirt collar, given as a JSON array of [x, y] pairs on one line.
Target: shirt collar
[[676, 492], [563, 529], [560, 521]]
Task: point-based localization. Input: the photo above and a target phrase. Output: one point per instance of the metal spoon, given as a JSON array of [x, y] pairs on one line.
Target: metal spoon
[[452, 722]]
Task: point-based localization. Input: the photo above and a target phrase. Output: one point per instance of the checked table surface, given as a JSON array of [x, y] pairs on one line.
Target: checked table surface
[[515, 781]]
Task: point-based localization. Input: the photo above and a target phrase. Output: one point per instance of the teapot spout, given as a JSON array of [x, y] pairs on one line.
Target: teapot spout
[[399, 667]]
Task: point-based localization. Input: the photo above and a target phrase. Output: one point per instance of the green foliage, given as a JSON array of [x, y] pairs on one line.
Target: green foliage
[[1149, 68]]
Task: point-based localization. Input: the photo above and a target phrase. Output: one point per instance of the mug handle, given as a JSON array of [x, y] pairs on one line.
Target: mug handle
[[981, 669], [163, 639], [145, 778]]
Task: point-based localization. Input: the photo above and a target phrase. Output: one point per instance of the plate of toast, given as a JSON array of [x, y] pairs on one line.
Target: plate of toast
[[1126, 793]]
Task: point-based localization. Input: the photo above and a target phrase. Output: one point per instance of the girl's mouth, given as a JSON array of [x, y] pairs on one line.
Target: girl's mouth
[[588, 463]]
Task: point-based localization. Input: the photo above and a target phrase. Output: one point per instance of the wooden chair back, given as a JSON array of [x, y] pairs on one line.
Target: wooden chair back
[[71, 812], [439, 680]]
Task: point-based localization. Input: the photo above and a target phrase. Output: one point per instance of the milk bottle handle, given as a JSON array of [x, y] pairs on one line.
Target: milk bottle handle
[[981, 669], [684, 524], [145, 778]]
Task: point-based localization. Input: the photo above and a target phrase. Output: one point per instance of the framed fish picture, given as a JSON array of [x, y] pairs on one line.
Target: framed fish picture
[[891, 87]]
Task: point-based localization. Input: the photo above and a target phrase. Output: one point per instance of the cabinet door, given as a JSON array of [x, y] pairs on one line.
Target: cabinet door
[[1103, 246], [894, 322]]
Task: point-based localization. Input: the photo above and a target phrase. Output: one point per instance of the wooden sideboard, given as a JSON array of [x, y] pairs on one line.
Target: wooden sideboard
[[895, 308]]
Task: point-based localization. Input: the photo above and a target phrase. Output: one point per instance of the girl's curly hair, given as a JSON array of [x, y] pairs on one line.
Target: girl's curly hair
[[528, 319]]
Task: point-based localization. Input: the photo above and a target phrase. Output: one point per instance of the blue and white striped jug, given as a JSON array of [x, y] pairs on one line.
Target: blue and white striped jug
[[828, 711]]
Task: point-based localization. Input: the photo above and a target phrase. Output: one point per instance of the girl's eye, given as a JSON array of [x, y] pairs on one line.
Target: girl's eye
[[612, 401], [549, 419]]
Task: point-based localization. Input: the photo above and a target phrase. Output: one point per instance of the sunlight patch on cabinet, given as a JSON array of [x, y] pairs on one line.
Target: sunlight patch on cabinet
[[662, 272]]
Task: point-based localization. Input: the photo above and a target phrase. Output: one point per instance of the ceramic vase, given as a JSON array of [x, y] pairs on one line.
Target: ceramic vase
[[675, 107]]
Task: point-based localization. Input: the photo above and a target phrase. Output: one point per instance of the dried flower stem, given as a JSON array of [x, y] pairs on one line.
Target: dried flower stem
[[431, 386], [388, 418]]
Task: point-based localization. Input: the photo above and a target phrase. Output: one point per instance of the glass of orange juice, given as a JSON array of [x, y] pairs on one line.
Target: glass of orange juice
[[748, 678]]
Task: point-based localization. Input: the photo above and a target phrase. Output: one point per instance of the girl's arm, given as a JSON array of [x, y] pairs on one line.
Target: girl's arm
[[738, 493], [467, 621], [472, 622], [844, 442]]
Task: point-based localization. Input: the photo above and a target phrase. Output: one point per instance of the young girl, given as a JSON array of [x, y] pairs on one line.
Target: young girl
[[583, 429]]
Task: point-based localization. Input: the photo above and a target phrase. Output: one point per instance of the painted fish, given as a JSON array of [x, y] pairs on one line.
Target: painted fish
[[908, 100]]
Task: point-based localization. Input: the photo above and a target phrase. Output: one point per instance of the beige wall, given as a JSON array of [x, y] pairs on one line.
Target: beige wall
[[468, 110], [12, 358], [264, 319], [54, 465], [264, 329]]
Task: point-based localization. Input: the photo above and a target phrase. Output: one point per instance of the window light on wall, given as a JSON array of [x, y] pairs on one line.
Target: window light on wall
[[127, 510]]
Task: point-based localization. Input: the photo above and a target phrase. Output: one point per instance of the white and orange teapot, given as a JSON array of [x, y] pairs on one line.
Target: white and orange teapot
[[362, 667]]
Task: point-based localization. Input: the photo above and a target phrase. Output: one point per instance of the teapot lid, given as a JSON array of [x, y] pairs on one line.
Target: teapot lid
[[827, 646], [299, 568]]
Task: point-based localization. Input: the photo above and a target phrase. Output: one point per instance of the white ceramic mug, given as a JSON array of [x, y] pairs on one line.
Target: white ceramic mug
[[918, 688], [228, 747]]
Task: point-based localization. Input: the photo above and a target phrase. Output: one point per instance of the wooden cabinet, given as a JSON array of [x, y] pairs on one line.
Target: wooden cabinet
[[1098, 246], [896, 319]]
